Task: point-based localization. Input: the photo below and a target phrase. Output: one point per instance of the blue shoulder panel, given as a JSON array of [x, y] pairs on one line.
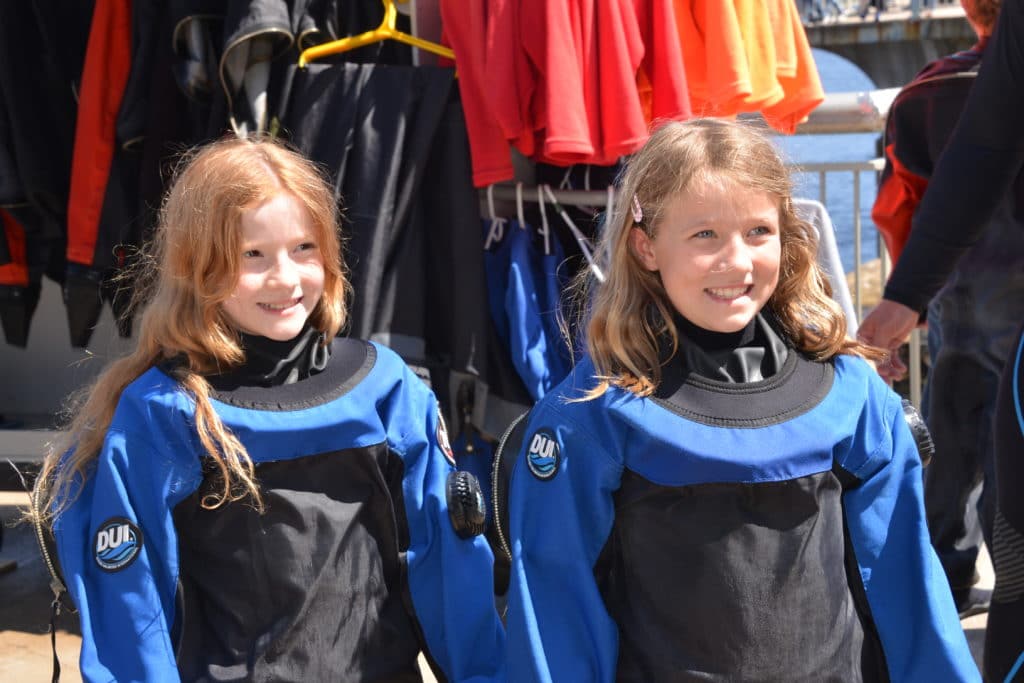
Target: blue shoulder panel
[[450, 578], [561, 512], [906, 588], [117, 543]]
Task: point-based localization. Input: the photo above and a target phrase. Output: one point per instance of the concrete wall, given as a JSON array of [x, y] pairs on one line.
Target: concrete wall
[[892, 64], [893, 48]]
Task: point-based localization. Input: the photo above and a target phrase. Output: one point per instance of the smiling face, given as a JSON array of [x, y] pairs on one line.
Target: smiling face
[[281, 272], [717, 250]]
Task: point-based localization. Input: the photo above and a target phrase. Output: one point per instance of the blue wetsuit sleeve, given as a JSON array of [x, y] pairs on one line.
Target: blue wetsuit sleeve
[[527, 342], [118, 550], [450, 578], [906, 589], [560, 516], [531, 306]]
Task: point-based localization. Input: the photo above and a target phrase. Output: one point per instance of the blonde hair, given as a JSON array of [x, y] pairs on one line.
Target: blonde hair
[[188, 270], [628, 315]]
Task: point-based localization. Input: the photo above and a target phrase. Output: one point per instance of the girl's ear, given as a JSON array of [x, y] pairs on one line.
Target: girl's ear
[[643, 248]]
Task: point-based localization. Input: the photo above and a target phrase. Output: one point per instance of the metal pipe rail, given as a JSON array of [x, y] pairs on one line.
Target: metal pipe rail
[[885, 263]]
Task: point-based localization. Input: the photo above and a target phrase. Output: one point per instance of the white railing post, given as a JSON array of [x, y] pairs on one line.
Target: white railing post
[[914, 363], [857, 285]]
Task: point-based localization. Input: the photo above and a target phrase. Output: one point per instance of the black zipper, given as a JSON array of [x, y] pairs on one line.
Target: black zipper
[[495, 469], [56, 584]]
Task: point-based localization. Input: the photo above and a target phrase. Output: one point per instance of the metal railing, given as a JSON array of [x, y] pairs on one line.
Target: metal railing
[[857, 168], [860, 112]]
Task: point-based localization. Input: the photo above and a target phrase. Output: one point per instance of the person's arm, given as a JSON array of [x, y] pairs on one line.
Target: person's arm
[[450, 578], [118, 550], [906, 589], [560, 516], [974, 172]]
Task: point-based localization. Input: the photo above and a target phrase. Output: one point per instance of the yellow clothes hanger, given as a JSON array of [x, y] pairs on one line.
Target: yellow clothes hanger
[[385, 31]]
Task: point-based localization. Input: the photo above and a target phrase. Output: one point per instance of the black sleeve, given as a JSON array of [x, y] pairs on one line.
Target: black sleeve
[[974, 172]]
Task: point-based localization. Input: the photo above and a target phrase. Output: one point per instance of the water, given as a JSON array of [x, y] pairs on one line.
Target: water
[[839, 75]]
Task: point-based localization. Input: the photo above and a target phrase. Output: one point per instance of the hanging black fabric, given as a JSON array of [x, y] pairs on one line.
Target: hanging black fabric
[[155, 122], [41, 53], [394, 139], [42, 48]]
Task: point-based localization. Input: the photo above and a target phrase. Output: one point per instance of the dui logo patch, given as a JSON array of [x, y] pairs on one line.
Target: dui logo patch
[[117, 544], [542, 454]]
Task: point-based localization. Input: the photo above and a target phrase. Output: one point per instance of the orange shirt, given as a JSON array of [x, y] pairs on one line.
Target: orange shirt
[[763, 46], [795, 70], [748, 56], [661, 77], [713, 56]]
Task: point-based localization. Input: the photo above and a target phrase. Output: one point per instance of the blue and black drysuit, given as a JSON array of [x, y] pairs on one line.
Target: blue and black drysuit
[[726, 530], [352, 569]]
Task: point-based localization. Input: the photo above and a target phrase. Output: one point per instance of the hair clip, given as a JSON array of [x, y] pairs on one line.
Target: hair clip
[[638, 213]]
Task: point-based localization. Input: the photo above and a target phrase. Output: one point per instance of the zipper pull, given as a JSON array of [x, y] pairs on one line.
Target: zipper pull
[[54, 613], [58, 595]]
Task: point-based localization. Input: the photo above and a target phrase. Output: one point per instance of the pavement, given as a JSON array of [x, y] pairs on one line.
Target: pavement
[[25, 651], [25, 598]]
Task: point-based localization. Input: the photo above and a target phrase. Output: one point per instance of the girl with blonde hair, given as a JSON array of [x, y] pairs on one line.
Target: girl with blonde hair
[[246, 495], [723, 489]]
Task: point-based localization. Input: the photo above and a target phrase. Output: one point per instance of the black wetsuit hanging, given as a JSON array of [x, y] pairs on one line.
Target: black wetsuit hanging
[[136, 75], [395, 140], [42, 47]]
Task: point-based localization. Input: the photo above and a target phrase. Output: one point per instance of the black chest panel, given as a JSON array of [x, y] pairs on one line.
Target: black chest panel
[[735, 582], [315, 584]]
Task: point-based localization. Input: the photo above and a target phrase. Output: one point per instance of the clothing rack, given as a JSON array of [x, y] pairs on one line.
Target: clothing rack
[[508, 192], [544, 196]]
